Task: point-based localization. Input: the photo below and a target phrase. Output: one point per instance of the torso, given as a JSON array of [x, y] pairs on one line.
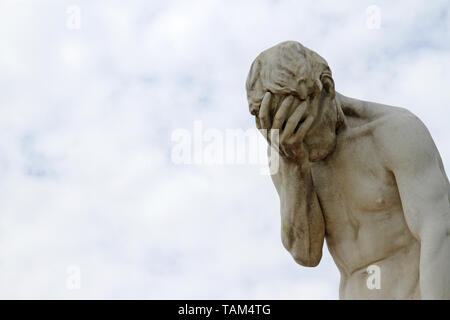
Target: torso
[[364, 220]]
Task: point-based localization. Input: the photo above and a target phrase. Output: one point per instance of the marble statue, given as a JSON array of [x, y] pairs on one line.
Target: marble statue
[[367, 177]]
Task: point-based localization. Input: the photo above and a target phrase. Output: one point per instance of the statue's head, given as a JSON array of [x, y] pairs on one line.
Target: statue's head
[[292, 69]]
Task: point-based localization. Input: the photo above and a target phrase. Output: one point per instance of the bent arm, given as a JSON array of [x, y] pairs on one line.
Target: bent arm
[[302, 223]]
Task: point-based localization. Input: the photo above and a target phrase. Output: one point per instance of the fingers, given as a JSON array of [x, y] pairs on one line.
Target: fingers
[[264, 111], [258, 124], [303, 90], [291, 109], [275, 103], [283, 112], [264, 132], [293, 120], [303, 129]]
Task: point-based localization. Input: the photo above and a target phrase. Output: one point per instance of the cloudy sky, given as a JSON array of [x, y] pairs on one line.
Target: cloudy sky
[[92, 204]]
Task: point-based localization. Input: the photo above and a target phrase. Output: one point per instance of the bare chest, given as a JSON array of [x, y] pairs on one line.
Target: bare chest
[[361, 205], [354, 179]]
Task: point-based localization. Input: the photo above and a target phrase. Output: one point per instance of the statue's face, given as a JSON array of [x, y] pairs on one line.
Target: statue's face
[[290, 69], [321, 137]]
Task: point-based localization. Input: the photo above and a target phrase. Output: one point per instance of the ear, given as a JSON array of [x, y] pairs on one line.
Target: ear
[[328, 84]]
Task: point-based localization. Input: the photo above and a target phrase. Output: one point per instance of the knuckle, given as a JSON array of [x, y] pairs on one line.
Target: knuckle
[[278, 118], [288, 100], [291, 122]]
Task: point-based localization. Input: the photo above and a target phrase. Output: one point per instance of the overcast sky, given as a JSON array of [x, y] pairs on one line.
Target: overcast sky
[[88, 187]]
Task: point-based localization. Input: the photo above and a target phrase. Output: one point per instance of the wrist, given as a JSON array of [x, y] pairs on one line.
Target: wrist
[[293, 167]]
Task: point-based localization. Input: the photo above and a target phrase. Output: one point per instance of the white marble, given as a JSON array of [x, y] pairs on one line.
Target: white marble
[[365, 177]]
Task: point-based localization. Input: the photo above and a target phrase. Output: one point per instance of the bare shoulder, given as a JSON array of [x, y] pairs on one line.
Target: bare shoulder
[[403, 139], [400, 138]]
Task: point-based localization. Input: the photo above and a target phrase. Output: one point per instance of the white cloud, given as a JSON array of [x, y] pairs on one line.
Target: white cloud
[[86, 121]]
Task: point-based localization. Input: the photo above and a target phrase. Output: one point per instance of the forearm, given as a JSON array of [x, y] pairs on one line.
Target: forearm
[[302, 224], [435, 264]]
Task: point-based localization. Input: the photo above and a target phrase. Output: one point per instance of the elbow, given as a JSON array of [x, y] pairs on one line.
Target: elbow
[[303, 253], [307, 260]]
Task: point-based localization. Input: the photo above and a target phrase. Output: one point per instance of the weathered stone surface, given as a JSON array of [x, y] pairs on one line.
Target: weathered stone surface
[[366, 177]]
